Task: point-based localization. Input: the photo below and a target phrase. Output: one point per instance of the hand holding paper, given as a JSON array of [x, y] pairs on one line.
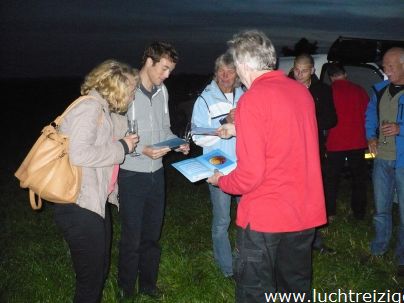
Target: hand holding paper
[[154, 153], [214, 179], [226, 131], [231, 115], [184, 148]]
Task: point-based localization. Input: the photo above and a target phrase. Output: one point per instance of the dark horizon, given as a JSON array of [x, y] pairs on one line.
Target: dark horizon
[[51, 39]]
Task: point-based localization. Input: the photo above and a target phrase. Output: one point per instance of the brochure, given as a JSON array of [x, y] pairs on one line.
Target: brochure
[[171, 143], [202, 167], [203, 131]]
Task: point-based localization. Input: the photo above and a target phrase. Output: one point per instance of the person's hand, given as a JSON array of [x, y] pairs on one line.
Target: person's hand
[[131, 141], [226, 131], [372, 145], [230, 116], [214, 179], [153, 153], [184, 148], [390, 129]]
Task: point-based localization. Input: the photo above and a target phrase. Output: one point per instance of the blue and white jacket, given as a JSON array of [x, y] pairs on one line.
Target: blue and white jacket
[[372, 120], [211, 107]]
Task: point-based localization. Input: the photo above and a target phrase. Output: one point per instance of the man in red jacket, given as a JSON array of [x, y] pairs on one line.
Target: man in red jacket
[[347, 140], [278, 175]]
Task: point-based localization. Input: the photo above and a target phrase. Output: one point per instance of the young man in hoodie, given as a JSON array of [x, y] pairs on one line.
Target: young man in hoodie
[[141, 178]]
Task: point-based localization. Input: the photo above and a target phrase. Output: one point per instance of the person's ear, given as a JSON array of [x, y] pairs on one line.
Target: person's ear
[[312, 70], [149, 62]]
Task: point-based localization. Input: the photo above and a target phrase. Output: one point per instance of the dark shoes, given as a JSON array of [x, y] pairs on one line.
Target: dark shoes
[[325, 250], [154, 293], [124, 297]]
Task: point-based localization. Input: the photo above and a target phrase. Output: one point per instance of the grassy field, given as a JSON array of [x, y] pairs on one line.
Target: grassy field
[[36, 267]]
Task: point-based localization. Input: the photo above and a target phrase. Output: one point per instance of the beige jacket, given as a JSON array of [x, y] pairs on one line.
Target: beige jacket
[[90, 130]]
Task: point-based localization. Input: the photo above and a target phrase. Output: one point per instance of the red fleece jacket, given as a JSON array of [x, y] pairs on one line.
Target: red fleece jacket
[[278, 169], [350, 102]]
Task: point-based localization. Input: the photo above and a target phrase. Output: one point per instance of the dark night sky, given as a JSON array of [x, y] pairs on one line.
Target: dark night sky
[[68, 38]]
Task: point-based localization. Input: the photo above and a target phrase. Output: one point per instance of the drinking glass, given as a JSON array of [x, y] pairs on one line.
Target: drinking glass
[[384, 122], [187, 132], [133, 130]]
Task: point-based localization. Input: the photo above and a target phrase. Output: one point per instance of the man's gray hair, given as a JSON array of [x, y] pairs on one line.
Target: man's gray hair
[[226, 60], [253, 48], [397, 49]]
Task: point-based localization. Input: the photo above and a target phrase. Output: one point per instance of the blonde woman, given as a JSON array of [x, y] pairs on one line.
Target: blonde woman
[[86, 225]]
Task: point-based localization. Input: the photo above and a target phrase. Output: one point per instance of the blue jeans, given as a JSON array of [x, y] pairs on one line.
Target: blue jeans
[[387, 178], [141, 200], [220, 224]]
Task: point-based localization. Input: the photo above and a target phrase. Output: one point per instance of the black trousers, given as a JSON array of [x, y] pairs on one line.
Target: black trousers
[[271, 263], [89, 238], [334, 165], [142, 200]]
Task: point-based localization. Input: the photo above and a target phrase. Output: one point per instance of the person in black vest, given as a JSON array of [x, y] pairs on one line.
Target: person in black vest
[[303, 72]]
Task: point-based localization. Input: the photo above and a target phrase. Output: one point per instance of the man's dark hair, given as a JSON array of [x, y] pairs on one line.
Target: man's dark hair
[[158, 50], [335, 69]]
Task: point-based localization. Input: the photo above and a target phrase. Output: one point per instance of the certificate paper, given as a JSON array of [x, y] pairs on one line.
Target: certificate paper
[[202, 167], [171, 143], [203, 131]]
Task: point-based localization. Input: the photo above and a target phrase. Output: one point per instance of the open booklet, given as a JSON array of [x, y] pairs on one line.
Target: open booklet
[[202, 167]]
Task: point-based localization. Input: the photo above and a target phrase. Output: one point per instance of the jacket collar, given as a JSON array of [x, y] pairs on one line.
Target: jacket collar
[[100, 99]]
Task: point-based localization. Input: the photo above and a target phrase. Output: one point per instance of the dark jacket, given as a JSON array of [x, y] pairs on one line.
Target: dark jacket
[[325, 109]]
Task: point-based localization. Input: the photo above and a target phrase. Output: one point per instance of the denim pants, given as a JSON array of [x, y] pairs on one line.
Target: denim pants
[[141, 208], [89, 238], [387, 179], [220, 225], [272, 262]]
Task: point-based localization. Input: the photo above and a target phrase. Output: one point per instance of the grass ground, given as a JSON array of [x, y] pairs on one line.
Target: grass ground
[[35, 265]]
